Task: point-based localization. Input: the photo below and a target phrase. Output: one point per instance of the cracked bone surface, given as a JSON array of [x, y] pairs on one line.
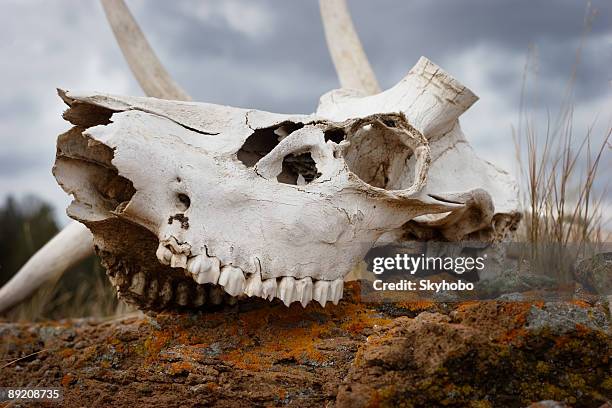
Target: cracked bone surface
[[190, 203]]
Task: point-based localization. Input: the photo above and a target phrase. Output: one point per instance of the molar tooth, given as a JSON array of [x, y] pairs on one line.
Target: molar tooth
[[205, 264], [138, 283], [163, 254], [153, 290], [286, 290], [337, 287], [254, 285], [200, 297], [194, 264], [216, 295], [177, 248], [268, 289], [166, 292], [321, 291], [178, 261], [303, 290], [232, 279], [211, 274], [182, 294]]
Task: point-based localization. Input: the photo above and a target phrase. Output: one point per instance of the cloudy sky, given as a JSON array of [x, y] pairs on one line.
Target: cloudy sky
[[271, 55]]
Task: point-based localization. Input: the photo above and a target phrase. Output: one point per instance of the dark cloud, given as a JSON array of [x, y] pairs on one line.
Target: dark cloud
[[395, 34]]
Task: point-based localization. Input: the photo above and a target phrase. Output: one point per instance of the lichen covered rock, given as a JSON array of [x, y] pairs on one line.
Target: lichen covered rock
[[482, 354]]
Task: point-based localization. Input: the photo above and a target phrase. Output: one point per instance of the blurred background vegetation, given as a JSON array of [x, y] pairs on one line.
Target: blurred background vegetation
[[25, 226]]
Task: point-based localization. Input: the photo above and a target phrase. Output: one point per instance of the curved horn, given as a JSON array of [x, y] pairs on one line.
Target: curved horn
[[352, 66], [66, 249], [149, 72]]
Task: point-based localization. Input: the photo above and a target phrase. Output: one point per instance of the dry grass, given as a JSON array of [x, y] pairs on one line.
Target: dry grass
[[558, 178], [559, 172], [562, 188]]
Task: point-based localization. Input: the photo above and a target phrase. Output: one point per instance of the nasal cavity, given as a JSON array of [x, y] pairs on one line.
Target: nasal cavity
[[262, 141], [183, 201], [298, 169]]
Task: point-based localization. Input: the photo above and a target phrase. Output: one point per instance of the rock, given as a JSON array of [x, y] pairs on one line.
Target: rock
[[595, 273], [561, 318], [548, 404], [483, 354], [487, 354]]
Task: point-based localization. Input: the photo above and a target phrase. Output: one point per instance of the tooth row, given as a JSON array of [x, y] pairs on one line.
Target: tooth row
[[182, 293], [205, 269], [291, 290]]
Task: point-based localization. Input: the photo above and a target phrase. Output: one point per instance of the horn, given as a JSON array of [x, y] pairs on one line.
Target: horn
[[146, 67], [69, 247], [350, 60]]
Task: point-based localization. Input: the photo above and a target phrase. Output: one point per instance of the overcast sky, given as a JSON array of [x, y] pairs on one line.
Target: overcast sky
[[271, 55]]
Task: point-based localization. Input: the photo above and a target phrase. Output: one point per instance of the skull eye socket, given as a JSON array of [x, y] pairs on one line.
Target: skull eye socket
[[183, 201], [378, 155]]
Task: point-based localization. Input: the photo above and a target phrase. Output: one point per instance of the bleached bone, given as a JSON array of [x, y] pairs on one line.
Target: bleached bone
[[203, 181], [347, 53], [66, 249]]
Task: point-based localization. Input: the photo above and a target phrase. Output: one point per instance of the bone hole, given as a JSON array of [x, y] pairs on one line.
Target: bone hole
[[183, 201], [109, 191], [296, 165], [262, 141], [114, 191]]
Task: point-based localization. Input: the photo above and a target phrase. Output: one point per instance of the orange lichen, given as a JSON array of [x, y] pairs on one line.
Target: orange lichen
[[179, 367], [512, 336], [294, 333], [154, 343], [416, 305], [68, 379], [580, 303], [580, 328], [467, 305]]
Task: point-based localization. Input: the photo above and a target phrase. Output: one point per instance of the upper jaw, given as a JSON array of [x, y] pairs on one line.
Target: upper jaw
[[205, 269]]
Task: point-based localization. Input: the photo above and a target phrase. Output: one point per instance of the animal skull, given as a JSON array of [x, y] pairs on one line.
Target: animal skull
[[184, 198]]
